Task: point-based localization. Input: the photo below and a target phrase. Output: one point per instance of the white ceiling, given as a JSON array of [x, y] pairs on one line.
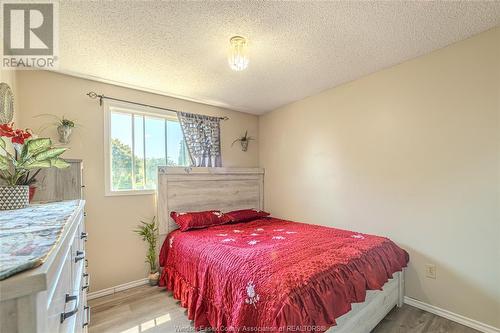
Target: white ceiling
[[296, 49]]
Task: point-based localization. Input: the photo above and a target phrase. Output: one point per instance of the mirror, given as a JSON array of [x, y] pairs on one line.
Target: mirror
[[6, 104]]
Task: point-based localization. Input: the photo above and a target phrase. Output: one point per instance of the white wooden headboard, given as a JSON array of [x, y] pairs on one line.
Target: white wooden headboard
[[198, 189]]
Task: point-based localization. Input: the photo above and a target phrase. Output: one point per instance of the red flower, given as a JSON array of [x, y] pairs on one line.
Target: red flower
[[6, 130], [18, 135]]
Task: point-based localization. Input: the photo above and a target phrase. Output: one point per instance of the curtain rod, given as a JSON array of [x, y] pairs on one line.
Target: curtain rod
[[94, 95]]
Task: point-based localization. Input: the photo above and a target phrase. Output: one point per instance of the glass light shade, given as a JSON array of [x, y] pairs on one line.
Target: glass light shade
[[238, 58]]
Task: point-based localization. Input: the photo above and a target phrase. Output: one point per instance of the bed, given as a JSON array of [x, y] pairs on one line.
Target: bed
[[270, 274]]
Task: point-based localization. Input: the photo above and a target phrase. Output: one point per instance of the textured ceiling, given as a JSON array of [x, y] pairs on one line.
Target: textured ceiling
[[296, 49]]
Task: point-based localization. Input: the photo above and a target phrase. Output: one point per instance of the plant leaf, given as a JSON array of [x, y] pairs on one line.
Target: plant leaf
[[37, 164], [24, 152], [4, 163], [49, 154], [59, 163], [2, 143], [36, 146]]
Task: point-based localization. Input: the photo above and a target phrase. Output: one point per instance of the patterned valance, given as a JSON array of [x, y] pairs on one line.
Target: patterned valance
[[202, 136]]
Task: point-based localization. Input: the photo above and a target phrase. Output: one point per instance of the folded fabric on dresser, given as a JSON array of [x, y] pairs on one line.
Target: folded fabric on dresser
[[28, 235]]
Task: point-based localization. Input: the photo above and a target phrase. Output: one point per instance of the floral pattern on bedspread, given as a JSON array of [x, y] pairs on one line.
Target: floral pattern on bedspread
[[274, 275], [28, 235]]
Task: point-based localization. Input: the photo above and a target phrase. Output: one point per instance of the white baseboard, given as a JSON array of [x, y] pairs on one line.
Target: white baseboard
[[120, 287], [477, 325]]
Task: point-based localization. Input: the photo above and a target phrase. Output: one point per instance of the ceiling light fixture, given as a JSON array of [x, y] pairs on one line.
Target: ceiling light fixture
[[238, 59]]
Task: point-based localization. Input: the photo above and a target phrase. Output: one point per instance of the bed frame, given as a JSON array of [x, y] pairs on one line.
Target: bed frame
[[198, 189]]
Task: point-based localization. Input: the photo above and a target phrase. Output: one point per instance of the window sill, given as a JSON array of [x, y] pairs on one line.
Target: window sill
[[128, 192]]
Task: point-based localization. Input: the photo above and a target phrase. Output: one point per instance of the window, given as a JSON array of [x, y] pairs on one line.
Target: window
[[138, 140]]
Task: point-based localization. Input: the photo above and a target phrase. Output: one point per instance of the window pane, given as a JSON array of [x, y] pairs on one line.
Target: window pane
[[176, 147], [139, 152], [121, 151], [155, 148]]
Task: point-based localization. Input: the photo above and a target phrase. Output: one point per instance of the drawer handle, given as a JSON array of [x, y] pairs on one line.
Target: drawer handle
[[80, 255], [87, 281], [87, 322], [70, 298], [84, 236], [66, 315]]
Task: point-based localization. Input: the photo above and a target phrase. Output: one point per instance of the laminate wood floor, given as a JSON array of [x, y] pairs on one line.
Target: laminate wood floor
[[153, 310]]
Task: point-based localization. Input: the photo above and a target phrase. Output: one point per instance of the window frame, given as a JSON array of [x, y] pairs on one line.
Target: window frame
[[132, 109]]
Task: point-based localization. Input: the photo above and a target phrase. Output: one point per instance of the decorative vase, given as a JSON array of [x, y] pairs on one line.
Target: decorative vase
[[244, 145], [14, 197], [32, 192], [153, 279], [64, 133]]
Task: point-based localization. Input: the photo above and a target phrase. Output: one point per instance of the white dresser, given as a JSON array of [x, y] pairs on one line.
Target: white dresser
[[52, 297]]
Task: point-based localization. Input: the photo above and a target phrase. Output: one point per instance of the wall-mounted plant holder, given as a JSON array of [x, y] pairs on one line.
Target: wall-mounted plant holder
[[64, 133], [64, 127], [244, 140]]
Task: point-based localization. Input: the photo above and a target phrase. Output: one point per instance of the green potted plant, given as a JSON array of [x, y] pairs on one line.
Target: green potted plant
[[64, 127], [20, 154], [149, 233], [244, 140]]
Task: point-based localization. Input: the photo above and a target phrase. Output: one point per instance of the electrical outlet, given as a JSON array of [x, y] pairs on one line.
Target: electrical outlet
[[430, 271]]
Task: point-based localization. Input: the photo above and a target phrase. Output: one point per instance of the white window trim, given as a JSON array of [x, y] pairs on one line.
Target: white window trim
[[108, 107]]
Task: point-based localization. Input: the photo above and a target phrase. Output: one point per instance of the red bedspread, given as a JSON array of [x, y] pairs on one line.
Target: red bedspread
[[274, 275]]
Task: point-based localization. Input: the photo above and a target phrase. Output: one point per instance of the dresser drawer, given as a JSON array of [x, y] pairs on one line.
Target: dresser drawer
[[66, 306], [81, 235], [83, 319], [60, 302], [81, 280], [78, 262]]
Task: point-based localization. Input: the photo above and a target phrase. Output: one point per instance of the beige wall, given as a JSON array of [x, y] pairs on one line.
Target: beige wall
[[412, 153], [116, 254]]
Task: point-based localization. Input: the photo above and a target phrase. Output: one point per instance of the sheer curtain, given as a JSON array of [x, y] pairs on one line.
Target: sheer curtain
[[202, 136]]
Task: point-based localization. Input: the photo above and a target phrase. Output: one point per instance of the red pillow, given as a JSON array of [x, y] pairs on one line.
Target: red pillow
[[244, 215], [197, 220]]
